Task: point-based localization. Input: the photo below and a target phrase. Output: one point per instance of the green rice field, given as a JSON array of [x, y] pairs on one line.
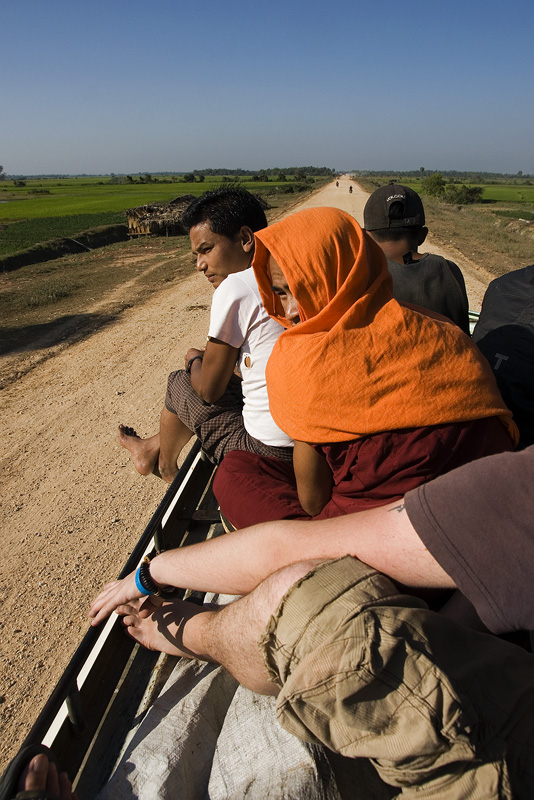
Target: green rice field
[[52, 208], [71, 196], [491, 193], [508, 193]]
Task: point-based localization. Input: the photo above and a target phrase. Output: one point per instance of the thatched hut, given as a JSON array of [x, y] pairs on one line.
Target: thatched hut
[[160, 219]]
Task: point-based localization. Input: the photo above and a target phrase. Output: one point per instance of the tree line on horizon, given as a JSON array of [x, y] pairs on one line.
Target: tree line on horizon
[[280, 173], [298, 173], [469, 176]]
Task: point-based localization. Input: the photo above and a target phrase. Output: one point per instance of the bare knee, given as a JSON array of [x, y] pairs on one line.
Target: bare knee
[[279, 583], [232, 635]]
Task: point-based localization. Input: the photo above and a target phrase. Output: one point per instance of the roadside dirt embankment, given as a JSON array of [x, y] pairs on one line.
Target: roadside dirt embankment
[[90, 240], [72, 504]]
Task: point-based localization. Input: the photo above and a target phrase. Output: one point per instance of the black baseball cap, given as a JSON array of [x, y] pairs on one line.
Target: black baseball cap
[[376, 211]]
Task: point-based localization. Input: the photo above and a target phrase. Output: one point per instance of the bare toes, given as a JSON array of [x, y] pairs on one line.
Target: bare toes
[[126, 430]]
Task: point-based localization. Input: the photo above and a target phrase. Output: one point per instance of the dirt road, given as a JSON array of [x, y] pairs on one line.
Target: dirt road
[[72, 504]]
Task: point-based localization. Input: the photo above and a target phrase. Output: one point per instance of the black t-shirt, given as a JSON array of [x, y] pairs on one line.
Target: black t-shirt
[[432, 282]]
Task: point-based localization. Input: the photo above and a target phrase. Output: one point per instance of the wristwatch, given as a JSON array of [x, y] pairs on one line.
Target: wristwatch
[[145, 584]]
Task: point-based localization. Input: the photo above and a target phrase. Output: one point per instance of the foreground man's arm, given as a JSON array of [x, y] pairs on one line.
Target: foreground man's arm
[[236, 563]]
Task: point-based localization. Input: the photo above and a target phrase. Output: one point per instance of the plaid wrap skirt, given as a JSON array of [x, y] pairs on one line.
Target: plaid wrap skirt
[[219, 426]]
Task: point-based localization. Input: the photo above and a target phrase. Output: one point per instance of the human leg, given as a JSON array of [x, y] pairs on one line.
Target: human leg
[[442, 712], [183, 415], [145, 452], [158, 454], [228, 635], [219, 426], [369, 472], [251, 489], [173, 436]]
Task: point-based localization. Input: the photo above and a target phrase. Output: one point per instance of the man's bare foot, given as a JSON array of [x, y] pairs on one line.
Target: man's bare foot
[[167, 627], [144, 452]]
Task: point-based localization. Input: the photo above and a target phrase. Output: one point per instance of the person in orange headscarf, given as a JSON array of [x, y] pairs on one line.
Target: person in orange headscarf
[[379, 396]]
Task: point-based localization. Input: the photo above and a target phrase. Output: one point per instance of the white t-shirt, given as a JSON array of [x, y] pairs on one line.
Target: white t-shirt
[[239, 319]]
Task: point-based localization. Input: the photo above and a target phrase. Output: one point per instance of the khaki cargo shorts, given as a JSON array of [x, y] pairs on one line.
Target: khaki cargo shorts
[[369, 672]]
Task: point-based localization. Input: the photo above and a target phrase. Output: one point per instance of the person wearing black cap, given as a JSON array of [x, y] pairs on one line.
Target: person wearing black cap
[[395, 218]]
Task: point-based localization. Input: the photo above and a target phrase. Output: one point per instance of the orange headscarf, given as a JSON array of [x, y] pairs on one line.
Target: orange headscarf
[[359, 362]]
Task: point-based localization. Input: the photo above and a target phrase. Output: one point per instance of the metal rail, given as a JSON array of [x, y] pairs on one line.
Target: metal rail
[[108, 664]]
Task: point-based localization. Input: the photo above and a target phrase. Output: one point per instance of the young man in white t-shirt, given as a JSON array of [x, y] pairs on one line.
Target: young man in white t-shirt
[[207, 398]]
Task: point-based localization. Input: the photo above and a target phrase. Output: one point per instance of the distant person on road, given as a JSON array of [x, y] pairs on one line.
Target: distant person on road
[[206, 398], [395, 218], [505, 334], [350, 189]]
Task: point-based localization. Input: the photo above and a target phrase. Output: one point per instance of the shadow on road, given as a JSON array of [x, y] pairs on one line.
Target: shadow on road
[[65, 329]]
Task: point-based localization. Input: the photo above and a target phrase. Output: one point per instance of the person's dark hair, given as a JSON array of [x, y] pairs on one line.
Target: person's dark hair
[[411, 233], [226, 210]]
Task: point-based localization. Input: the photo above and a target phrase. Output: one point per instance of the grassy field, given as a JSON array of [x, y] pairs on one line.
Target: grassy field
[[507, 193], [496, 233], [47, 209], [60, 301], [494, 193], [70, 196], [26, 233]]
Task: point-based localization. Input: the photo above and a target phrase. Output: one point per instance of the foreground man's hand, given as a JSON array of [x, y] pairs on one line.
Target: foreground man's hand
[[112, 596]]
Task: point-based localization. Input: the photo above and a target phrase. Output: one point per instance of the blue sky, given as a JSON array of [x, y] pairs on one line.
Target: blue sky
[[129, 86]]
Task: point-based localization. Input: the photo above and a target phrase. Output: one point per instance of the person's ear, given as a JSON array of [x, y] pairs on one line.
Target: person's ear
[[422, 236], [247, 238]]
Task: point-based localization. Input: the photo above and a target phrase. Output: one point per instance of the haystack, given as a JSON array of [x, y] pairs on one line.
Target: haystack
[[159, 219]]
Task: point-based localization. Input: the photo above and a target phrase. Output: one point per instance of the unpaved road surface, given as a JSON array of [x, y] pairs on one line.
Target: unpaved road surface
[[72, 505]]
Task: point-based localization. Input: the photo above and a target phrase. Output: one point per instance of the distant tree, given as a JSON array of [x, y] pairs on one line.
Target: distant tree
[[282, 176], [19, 183], [462, 195], [263, 175], [130, 179], [200, 178], [189, 177], [433, 185], [422, 171], [2, 174], [300, 174]]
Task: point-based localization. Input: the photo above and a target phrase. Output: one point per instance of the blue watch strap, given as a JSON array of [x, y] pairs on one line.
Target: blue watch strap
[[139, 585]]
